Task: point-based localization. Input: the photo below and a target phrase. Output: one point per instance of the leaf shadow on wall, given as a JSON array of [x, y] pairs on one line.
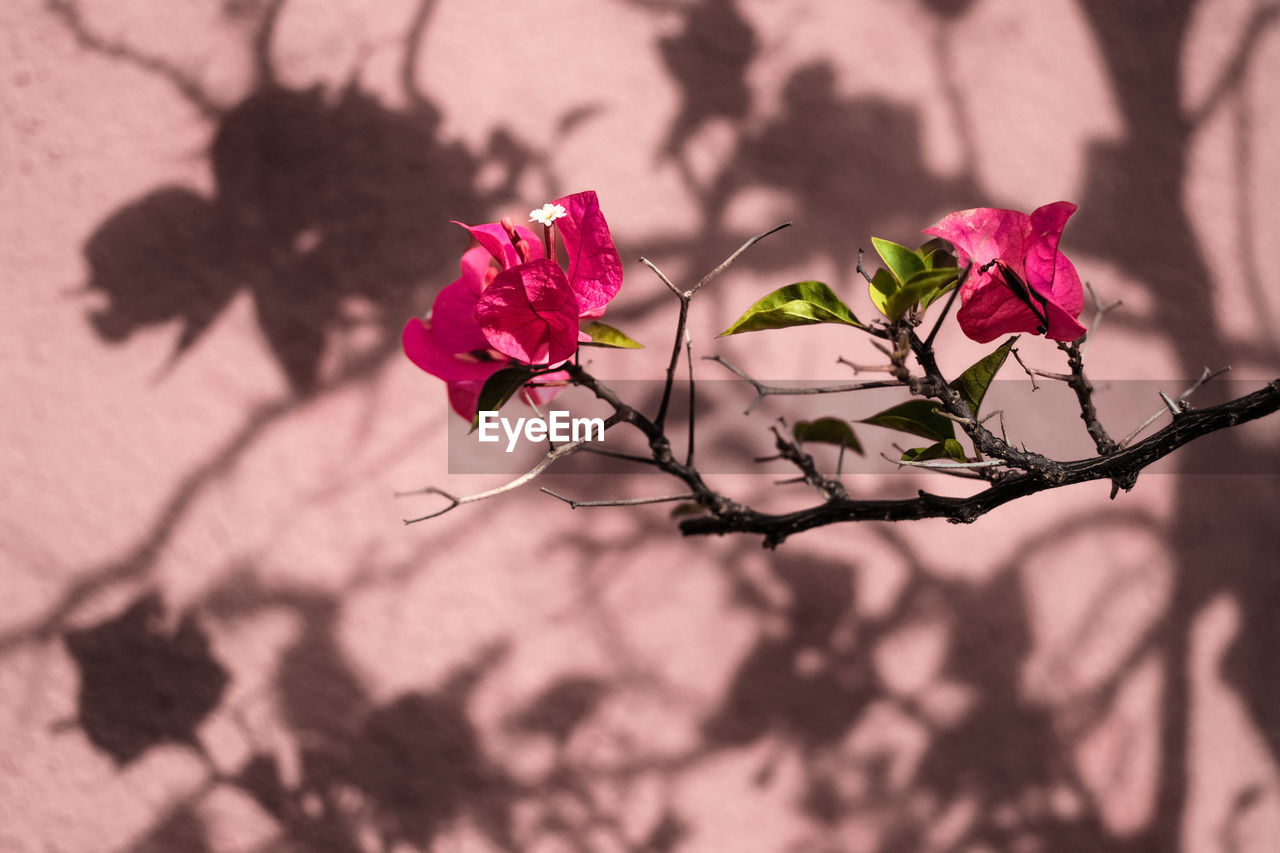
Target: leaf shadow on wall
[[329, 209], [291, 224]]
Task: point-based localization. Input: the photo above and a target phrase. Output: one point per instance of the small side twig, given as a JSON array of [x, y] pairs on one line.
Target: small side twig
[[1099, 312], [454, 502], [955, 291], [765, 390], [682, 321], [576, 504], [724, 265], [1084, 396], [792, 452], [1205, 376]]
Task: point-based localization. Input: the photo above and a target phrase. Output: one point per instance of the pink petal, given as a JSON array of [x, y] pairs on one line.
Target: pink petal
[[453, 315], [982, 234], [595, 268], [1068, 292], [1063, 325], [493, 238], [421, 347], [464, 397], [1045, 228], [545, 388], [990, 309], [530, 313]]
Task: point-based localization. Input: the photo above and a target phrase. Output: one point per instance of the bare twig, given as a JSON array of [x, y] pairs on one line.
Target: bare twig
[[944, 465], [1205, 376], [454, 502], [1031, 374], [955, 291], [964, 475], [575, 504], [1099, 312], [724, 265], [764, 390], [688, 357], [862, 272], [661, 275], [792, 452], [1084, 395]]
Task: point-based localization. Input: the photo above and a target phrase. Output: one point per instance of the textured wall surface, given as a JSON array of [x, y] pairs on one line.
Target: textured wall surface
[[215, 632]]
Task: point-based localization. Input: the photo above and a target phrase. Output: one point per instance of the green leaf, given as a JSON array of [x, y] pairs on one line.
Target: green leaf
[[902, 262], [827, 431], [883, 285], [604, 335], [972, 385], [918, 417], [949, 449], [498, 389], [937, 254], [919, 287], [801, 304], [929, 299]]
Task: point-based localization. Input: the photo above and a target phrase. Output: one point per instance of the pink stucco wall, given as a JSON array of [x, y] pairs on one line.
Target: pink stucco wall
[[211, 237]]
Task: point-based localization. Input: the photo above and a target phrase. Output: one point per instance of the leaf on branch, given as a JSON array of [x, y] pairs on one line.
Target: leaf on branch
[[918, 417], [930, 298], [912, 276], [972, 385], [498, 389], [804, 303], [924, 285], [604, 335], [901, 261], [882, 287], [937, 254], [827, 431], [949, 449]]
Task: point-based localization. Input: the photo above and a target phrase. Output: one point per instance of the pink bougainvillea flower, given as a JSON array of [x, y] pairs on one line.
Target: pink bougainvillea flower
[[450, 345], [531, 310], [1019, 281], [515, 303]]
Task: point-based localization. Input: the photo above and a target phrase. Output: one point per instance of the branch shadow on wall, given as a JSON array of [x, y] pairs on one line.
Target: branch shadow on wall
[[328, 203]]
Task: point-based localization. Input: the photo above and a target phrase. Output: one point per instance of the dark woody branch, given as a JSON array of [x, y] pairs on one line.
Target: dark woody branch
[[1121, 466]]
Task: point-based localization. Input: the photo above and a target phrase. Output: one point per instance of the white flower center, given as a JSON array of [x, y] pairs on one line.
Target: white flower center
[[548, 213]]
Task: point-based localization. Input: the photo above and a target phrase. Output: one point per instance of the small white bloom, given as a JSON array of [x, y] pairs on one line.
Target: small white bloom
[[548, 213]]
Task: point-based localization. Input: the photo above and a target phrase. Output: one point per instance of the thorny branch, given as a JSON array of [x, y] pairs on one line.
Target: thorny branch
[[1009, 472]]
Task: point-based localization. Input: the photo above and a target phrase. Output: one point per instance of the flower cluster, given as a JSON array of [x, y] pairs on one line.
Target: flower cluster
[[1019, 281], [515, 303]]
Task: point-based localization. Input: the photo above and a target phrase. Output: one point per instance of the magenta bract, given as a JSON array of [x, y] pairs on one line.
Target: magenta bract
[[512, 303], [1024, 250]]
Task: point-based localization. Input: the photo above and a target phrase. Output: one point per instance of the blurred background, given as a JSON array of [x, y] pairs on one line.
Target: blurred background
[[217, 635]]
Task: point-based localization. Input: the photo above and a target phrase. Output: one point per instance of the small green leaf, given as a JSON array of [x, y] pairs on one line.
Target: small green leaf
[[801, 304], [972, 385], [902, 262], [827, 431], [498, 389], [604, 335], [919, 287], [949, 449], [930, 298], [882, 286], [918, 417], [937, 254]]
